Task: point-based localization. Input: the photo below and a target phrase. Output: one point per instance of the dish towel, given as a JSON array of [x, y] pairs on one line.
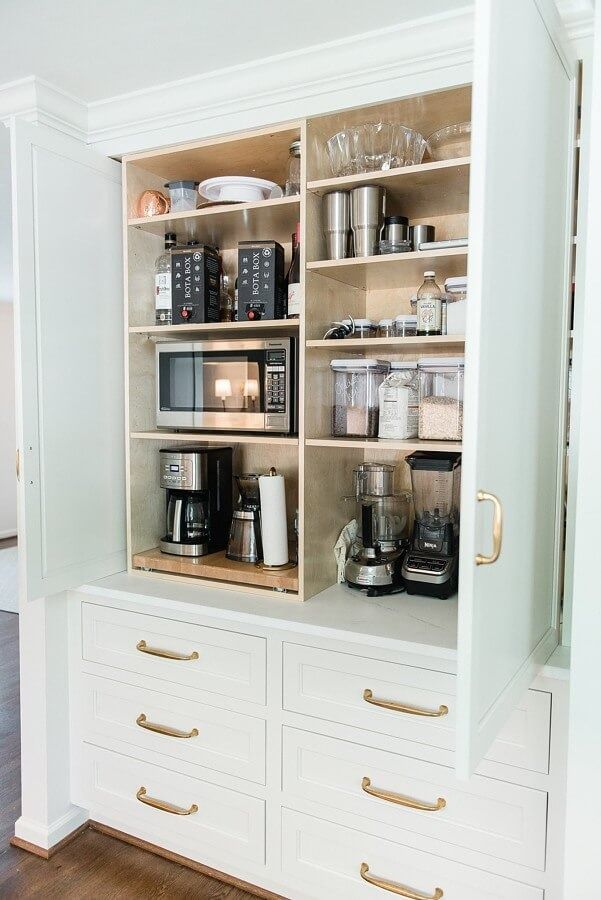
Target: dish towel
[[343, 545]]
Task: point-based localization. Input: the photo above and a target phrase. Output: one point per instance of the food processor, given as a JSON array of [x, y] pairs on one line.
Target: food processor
[[383, 519], [431, 566]]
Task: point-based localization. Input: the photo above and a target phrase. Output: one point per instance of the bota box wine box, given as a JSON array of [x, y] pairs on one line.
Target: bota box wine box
[[261, 280], [195, 285]]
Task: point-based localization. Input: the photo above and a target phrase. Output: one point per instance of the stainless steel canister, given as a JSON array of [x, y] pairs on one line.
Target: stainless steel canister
[[337, 222], [421, 234], [368, 204]]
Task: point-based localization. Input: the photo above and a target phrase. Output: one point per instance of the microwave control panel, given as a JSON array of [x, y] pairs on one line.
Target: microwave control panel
[[277, 399]]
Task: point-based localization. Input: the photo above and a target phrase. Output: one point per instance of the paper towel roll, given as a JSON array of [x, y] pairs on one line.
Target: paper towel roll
[[274, 524]]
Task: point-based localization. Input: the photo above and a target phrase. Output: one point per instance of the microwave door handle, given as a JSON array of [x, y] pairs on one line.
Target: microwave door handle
[[177, 521], [218, 480]]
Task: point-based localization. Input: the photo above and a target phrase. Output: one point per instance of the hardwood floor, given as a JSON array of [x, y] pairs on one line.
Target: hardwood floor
[[94, 865]]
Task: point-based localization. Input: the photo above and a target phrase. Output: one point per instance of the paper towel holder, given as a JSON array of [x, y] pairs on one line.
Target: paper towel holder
[[274, 570]]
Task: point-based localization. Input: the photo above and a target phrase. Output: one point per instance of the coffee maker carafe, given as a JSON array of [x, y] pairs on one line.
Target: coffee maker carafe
[[198, 481], [245, 542], [431, 566], [382, 531]]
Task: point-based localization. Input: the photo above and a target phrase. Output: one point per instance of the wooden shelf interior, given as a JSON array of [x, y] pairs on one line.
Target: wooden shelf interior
[[224, 226], [216, 567], [361, 346], [219, 329], [379, 273]]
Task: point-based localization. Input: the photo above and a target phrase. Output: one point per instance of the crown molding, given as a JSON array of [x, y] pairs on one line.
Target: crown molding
[[370, 67]]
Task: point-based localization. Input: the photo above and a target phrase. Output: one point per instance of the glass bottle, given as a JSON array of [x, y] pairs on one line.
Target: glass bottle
[[162, 283], [236, 300], [429, 306], [226, 302], [293, 176], [295, 300]]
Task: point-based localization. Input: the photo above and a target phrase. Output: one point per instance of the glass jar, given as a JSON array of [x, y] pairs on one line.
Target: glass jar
[[429, 306], [293, 177], [405, 326], [386, 328], [355, 400], [440, 398]]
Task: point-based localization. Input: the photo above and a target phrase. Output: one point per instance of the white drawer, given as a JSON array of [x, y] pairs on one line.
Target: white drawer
[[210, 659], [485, 815], [225, 824], [331, 686], [326, 860], [225, 741]]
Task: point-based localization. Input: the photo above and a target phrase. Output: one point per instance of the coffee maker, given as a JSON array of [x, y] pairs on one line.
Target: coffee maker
[[431, 567], [245, 543], [383, 518], [198, 481]]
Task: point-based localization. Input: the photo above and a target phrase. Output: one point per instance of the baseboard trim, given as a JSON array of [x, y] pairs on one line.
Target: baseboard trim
[[42, 851], [184, 861]]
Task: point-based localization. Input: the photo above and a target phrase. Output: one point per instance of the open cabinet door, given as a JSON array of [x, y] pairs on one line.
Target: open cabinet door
[[68, 291], [516, 360]]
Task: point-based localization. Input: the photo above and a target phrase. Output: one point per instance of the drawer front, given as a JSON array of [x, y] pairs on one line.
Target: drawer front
[[208, 659], [204, 735], [327, 859], [220, 822], [332, 686], [502, 820], [524, 740]]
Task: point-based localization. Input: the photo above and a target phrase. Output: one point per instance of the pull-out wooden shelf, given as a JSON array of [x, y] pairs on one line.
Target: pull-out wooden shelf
[[220, 437], [223, 226], [216, 567], [374, 273], [380, 444]]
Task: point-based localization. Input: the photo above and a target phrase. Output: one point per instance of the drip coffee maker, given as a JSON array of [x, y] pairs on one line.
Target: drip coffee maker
[[198, 481], [245, 543], [383, 519], [431, 565]]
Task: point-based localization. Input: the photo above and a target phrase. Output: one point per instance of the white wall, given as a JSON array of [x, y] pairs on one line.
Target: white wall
[[8, 487]]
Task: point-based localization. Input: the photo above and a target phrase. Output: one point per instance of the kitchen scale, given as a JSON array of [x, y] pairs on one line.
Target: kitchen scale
[[431, 565]]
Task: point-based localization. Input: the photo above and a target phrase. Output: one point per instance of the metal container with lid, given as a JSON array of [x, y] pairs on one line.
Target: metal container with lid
[[395, 235]]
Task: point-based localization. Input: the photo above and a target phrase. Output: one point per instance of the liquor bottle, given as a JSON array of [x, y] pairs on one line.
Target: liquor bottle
[[236, 299], [162, 282], [429, 306], [295, 300], [226, 303]]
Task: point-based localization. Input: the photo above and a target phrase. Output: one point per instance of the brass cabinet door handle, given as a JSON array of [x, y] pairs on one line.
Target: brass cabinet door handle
[[143, 647], [143, 722], [401, 707], [397, 888], [143, 797], [366, 785], [497, 529]]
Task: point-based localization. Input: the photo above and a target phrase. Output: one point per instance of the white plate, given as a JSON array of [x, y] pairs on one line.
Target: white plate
[[239, 189]]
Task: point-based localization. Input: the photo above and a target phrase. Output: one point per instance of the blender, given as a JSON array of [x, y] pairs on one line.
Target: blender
[[383, 531], [431, 566]]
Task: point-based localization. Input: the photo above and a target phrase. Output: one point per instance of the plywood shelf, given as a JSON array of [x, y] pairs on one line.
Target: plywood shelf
[[432, 188], [224, 226], [220, 329], [400, 344], [377, 444], [374, 273], [216, 567], [221, 437]]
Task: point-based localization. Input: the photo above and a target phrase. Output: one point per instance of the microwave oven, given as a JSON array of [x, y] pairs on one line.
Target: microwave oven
[[223, 385]]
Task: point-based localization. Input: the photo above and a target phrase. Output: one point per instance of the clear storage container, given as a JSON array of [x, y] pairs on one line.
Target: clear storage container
[[405, 326], [440, 398], [365, 328], [386, 328], [183, 195], [355, 400]]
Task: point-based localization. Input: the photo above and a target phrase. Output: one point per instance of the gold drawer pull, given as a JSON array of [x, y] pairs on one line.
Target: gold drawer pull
[[166, 807], [143, 647], [402, 801], [397, 888], [497, 529], [143, 722], [400, 707]]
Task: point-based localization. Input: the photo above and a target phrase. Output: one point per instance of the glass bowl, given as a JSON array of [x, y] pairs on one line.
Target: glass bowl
[[450, 142], [374, 147]]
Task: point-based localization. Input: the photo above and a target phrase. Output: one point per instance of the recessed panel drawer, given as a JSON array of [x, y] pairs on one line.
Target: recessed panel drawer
[[328, 860], [353, 690], [503, 820], [197, 819], [208, 659], [180, 729]]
